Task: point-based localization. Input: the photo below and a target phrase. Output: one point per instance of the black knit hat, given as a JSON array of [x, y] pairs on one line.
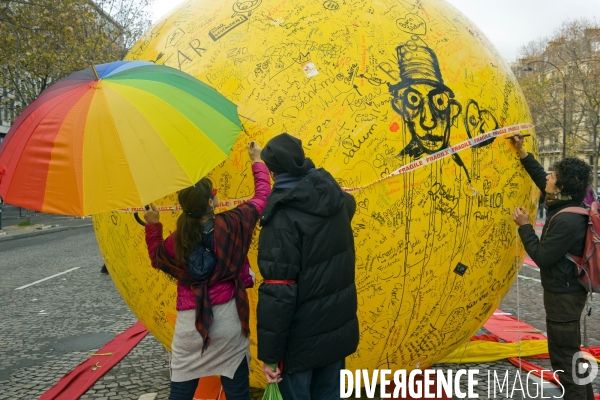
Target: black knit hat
[[284, 153]]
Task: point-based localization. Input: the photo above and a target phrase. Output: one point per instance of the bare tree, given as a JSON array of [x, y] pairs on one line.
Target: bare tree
[[540, 89], [584, 64], [45, 40], [563, 89]]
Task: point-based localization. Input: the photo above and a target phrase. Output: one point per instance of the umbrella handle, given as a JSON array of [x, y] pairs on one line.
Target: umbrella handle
[[138, 219]]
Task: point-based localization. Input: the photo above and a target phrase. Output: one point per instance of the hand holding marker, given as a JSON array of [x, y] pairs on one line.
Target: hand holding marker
[[518, 134]]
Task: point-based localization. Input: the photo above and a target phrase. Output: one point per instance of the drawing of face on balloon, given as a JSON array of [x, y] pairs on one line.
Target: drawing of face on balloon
[[245, 7], [425, 103], [478, 121]]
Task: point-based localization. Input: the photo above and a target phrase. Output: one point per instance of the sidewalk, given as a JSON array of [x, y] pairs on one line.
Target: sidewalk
[[41, 224]]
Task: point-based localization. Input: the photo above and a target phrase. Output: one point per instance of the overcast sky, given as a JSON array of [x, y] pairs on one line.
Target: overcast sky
[[508, 24]]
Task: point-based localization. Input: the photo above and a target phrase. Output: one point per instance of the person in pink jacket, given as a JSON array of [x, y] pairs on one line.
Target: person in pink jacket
[[590, 197], [207, 256]]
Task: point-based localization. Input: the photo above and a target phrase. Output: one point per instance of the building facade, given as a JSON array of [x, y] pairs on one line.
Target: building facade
[[561, 81]]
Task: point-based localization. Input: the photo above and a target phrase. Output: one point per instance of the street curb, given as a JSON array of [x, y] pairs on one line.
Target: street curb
[[42, 232]]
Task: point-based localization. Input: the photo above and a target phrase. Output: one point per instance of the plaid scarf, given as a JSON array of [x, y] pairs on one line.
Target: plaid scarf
[[233, 235], [555, 198]]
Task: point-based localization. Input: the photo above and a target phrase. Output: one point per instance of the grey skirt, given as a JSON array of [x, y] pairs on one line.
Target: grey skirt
[[228, 346]]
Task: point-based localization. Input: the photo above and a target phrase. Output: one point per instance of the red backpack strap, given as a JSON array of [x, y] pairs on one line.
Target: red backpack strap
[[572, 210]]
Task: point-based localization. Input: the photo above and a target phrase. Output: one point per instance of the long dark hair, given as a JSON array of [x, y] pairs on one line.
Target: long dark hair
[[194, 202]]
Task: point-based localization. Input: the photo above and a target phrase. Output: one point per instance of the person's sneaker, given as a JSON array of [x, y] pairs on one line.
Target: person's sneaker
[[104, 270]]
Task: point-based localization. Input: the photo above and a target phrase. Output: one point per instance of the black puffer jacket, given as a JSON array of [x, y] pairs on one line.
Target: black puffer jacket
[[565, 234], [306, 237]]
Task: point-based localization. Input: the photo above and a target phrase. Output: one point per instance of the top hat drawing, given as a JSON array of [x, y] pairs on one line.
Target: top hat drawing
[[417, 64]]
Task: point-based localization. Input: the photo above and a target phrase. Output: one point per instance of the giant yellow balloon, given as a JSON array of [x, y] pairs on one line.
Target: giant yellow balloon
[[407, 104]]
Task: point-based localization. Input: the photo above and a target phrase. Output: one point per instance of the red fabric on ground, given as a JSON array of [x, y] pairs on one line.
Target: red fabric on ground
[[593, 350], [545, 355], [506, 328], [498, 326], [82, 377], [489, 338]]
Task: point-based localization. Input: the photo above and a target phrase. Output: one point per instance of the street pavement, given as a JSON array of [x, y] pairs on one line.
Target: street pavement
[[12, 215], [49, 328], [40, 223]]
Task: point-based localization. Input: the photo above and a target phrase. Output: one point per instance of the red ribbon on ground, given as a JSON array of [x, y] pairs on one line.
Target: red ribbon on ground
[[510, 329], [75, 383]]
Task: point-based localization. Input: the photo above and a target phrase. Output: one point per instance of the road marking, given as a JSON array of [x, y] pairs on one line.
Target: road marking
[[528, 278], [45, 279]]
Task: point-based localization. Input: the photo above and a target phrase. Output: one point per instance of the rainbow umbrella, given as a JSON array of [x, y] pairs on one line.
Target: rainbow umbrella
[[114, 136]]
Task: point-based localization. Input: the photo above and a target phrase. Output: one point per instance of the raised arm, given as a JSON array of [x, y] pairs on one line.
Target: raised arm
[[154, 235], [532, 166], [262, 181]]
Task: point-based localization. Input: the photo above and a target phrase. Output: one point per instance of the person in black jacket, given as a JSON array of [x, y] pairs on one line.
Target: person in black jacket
[[564, 297], [307, 302]]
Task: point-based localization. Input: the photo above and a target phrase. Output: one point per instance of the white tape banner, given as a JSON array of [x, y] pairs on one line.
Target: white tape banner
[[467, 144], [448, 152], [222, 204]]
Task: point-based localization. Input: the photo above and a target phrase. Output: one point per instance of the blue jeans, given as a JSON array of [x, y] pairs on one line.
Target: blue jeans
[[317, 384], [237, 388]]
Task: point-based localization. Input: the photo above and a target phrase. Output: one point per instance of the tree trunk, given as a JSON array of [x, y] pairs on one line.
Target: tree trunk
[[595, 169]]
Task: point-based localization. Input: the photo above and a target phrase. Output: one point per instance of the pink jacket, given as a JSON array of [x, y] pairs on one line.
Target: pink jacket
[[220, 292]]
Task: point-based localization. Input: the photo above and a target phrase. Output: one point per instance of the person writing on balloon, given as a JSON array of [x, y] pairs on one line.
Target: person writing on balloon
[[207, 256], [563, 235]]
